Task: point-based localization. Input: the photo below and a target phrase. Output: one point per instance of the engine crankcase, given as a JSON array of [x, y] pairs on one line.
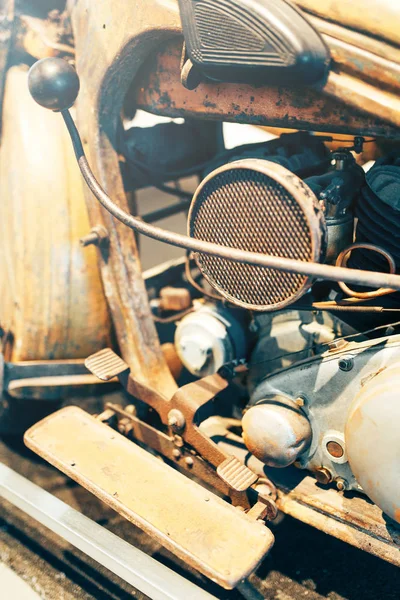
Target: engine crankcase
[[349, 396]]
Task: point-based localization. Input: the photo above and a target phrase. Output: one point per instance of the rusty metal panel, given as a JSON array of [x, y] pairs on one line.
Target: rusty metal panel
[[353, 520], [159, 90], [211, 535], [350, 517]]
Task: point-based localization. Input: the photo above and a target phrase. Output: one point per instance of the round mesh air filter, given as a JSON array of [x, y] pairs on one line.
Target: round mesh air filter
[[259, 206]]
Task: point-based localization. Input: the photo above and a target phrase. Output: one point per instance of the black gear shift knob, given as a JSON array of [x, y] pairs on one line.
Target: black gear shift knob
[[53, 83]]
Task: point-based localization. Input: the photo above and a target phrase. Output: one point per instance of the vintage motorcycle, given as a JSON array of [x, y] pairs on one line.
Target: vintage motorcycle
[[262, 366]]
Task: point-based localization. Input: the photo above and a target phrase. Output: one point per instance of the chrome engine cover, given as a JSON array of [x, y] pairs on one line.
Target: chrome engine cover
[[336, 391]]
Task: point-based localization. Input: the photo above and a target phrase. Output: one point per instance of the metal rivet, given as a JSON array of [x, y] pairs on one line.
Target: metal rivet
[[176, 420]]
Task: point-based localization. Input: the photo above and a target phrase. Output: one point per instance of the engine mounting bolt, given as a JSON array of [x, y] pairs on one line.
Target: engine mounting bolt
[[335, 449], [189, 461], [346, 363], [176, 420], [323, 475], [341, 484]]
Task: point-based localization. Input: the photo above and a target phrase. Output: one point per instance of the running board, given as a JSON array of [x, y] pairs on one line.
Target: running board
[[203, 530]]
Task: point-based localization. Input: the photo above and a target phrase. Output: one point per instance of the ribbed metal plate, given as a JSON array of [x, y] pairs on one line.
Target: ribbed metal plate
[[106, 364]]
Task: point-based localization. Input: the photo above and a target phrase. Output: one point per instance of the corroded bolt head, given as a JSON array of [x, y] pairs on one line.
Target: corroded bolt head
[[323, 475]]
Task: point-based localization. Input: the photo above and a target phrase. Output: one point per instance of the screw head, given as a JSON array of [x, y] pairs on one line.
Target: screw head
[[53, 83]]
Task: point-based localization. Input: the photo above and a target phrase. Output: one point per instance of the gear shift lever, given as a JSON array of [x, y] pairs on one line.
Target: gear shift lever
[[54, 84]]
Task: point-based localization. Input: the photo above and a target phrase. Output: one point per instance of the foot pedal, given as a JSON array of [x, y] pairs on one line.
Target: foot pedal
[[236, 474], [253, 41], [106, 364], [209, 534]]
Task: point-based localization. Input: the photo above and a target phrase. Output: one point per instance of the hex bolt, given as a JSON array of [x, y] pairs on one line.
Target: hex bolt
[[98, 236], [189, 461], [176, 453], [323, 475], [346, 363]]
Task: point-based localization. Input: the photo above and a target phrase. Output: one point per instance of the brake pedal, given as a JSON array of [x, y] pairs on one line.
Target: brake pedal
[[236, 474], [251, 41]]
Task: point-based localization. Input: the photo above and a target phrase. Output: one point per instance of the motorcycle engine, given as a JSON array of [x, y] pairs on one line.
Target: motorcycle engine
[[322, 395]]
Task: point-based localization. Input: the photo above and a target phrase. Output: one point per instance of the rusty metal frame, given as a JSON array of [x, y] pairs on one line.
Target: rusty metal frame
[[351, 101], [112, 41]]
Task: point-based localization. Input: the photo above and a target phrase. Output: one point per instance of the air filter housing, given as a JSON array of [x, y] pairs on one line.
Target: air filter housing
[[258, 206]]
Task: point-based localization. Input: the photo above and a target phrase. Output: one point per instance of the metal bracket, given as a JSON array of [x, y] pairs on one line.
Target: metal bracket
[[182, 414]]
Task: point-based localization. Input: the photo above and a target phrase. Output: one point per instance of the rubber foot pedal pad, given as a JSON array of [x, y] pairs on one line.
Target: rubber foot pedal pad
[[106, 364], [236, 474]]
